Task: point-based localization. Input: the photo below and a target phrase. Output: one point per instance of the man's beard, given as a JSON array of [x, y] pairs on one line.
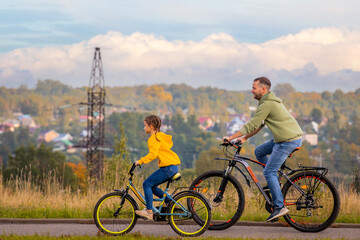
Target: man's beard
[[257, 96]]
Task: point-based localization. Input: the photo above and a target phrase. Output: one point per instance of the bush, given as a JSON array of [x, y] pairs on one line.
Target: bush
[[355, 185]]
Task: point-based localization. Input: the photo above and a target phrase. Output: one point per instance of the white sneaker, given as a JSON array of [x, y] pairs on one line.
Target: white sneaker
[[277, 213], [145, 213]]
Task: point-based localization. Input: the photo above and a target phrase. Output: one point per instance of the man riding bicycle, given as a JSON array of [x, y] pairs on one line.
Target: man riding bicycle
[[287, 136]]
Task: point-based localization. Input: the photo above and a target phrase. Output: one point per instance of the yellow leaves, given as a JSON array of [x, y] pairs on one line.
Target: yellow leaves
[[315, 97], [156, 92], [79, 170]]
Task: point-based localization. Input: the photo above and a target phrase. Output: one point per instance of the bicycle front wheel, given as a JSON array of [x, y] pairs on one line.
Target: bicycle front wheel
[[317, 209], [184, 209], [227, 210], [111, 217]]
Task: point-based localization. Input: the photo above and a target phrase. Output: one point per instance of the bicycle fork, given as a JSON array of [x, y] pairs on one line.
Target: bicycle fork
[[125, 192], [219, 195]]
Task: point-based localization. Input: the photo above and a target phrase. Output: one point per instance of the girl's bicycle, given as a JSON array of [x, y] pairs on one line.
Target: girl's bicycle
[[188, 212], [312, 199]]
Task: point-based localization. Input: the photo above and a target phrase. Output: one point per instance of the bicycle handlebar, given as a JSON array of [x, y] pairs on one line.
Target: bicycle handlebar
[[133, 166], [227, 143]]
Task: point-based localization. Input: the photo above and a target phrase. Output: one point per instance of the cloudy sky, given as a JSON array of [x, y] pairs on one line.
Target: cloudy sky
[[314, 45]]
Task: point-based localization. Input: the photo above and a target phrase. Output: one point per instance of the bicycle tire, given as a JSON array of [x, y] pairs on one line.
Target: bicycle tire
[[311, 214], [229, 210], [187, 226], [105, 209]]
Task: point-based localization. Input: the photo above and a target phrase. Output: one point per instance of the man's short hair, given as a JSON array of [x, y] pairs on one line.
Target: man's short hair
[[264, 81]]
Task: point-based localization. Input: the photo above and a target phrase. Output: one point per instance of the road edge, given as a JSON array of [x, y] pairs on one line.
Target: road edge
[[140, 221]]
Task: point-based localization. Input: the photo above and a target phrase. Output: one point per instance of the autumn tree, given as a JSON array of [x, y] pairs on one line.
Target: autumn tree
[[80, 173], [156, 92]]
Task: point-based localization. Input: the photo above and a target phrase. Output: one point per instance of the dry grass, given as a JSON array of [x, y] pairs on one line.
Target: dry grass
[[22, 199], [350, 206]]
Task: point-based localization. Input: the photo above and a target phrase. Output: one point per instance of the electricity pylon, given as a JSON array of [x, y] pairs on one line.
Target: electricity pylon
[[94, 141]]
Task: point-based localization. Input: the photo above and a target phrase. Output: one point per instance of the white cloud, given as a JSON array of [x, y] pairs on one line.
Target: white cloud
[[330, 49], [147, 58]]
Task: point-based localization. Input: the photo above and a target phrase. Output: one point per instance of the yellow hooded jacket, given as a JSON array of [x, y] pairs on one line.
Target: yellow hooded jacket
[[160, 148]]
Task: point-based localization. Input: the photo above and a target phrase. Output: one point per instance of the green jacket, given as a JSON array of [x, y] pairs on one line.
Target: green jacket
[[272, 113]]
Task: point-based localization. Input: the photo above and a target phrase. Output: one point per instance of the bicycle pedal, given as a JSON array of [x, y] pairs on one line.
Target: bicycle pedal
[[274, 220], [143, 218]]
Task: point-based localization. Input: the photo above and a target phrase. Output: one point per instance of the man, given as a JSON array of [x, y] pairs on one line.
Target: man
[[287, 136]]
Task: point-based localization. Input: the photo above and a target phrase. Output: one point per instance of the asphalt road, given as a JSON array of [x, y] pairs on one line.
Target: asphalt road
[[243, 230]]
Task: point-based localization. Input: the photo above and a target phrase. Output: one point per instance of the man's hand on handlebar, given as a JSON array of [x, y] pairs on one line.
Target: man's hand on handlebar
[[241, 139], [226, 139], [137, 163], [237, 140]]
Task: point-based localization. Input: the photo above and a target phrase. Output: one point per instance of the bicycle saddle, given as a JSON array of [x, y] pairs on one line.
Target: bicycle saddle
[[176, 177], [298, 148]]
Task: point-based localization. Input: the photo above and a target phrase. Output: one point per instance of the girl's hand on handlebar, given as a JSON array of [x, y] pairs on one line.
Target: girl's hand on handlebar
[[137, 163]]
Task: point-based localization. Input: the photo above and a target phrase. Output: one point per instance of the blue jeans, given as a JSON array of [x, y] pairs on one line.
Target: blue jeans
[[158, 177], [279, 152]]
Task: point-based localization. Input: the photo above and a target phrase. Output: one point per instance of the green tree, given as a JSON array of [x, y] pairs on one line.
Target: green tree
[[326, 95], [51, 87], [115, 167], [8, 144], [37, 161], [133, 123], [316, 115], [355, 184], [32, 105], [205, 162], [338, 95], [283, 90], [188, 139], [354, 131], [23, 136]]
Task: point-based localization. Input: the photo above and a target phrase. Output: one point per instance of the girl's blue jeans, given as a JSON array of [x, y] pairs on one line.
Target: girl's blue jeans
[[158, 177], [279, 152]]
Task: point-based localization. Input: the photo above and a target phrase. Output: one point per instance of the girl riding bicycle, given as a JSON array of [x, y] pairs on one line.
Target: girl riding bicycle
[[159, 145]]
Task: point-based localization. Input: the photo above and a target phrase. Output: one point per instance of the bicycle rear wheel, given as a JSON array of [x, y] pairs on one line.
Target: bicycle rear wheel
[[226, 211], [113, 219], [182, 211], [315, 211]]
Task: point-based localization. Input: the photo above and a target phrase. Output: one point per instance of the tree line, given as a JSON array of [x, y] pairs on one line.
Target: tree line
[[180, 106]]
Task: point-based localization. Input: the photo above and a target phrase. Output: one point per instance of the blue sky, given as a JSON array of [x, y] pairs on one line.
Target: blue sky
[[314, 45]]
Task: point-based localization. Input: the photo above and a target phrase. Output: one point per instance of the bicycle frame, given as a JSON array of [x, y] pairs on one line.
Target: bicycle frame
[[243, 161], [141, 198]]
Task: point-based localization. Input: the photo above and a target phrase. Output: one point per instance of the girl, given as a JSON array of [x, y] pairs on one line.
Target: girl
[[159, 148]]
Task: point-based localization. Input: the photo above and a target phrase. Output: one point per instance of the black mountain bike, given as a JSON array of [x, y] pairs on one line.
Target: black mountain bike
[[312, 199]]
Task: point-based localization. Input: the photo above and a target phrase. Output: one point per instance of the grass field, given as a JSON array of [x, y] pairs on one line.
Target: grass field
[[22, 199]]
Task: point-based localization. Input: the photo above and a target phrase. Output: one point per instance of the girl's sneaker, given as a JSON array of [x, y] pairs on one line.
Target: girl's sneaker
[[144, 213]]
